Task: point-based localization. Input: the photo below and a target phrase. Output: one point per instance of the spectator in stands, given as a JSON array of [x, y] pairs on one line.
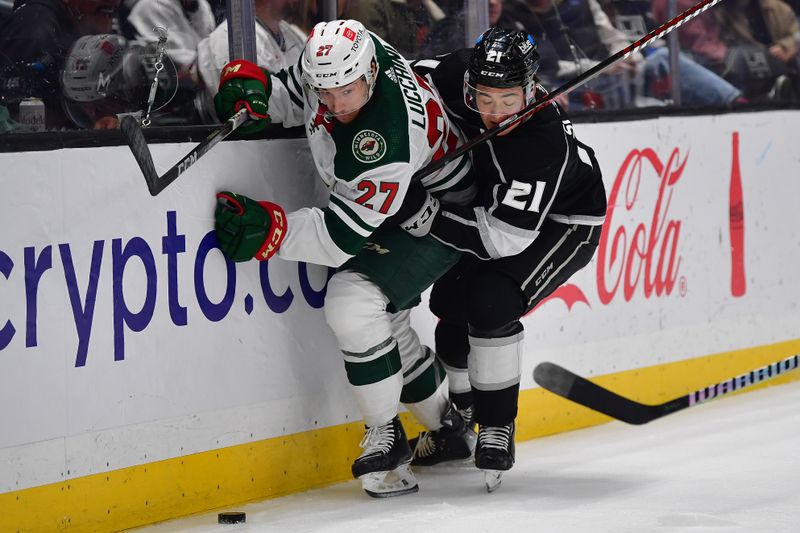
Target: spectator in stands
[[448, 32], [304, 14], [35, 40], [93, 81], [771, 26], [278, 45], [699, 35], [185, 22], [698, 85], [588, 36], [218, 7], [726, 43], [402, 23], [6, 6], [583, 35], [104, 75], [515, 14]]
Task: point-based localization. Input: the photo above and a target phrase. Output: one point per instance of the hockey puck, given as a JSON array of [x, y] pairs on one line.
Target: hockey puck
[[231, 517]]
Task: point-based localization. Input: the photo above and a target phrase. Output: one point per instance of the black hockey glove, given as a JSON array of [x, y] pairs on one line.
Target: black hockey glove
[[417, 213]]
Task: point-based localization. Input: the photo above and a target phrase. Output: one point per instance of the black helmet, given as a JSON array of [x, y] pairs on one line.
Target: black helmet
[[503, 58]]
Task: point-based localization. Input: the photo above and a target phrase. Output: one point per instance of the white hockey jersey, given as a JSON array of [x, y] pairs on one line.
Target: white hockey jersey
[[212, 55], [184, 30], [368, 164]]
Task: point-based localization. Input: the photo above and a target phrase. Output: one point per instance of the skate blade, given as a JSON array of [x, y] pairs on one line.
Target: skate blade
[[390, 483], [452, 464], [492, 479], [472, 440]]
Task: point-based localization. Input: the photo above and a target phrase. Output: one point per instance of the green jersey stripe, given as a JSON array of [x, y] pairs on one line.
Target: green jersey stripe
[[373, 353], [342, 235], [283, 76], [423, 385], [460, 182], [374, 371], [298, 86], [350, 217], [418, 367], [448, 178]]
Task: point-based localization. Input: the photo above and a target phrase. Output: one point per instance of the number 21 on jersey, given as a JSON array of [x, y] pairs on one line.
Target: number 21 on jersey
[[518, 196]]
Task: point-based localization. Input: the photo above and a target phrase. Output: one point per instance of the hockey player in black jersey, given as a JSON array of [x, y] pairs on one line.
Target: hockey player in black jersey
[[536, 221]]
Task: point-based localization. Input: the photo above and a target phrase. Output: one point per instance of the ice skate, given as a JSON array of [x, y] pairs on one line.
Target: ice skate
[[469, 420], [494, 453], [454, 441], [468, 414], [383, 466]]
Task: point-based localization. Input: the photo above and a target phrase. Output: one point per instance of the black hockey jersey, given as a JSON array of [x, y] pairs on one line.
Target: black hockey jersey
[[539, 170]]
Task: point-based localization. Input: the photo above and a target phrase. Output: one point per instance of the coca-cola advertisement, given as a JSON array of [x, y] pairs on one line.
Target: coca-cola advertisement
[[696, 253]]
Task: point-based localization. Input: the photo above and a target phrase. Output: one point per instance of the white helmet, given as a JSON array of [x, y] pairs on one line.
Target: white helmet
[[93, 69], [338, 53]]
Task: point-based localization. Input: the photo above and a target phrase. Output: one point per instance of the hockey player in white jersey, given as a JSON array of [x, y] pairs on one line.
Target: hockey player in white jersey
[[371, 123], [278, 45]]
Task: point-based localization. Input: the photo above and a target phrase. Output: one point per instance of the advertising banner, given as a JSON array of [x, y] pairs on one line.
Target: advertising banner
[[126, 338]]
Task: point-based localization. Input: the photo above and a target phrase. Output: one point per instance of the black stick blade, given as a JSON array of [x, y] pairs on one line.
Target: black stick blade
[[554, 378], [138, 145], [566, 384], [571, 386]]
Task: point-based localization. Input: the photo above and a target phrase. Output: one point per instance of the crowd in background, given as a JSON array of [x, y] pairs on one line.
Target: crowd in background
[[79, 63]]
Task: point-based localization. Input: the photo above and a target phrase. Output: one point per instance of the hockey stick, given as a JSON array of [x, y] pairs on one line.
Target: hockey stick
[[133, 133], [541, 103], [240, 15], [156, 184], [562, 382]]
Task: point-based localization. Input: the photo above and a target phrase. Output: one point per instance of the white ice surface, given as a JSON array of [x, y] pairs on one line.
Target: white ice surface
[[728, 466]]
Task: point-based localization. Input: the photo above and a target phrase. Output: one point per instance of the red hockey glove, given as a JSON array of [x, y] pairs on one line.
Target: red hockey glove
[[247, 228]]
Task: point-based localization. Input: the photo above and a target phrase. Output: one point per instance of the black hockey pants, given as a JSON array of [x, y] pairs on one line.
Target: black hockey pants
[[485, 300]]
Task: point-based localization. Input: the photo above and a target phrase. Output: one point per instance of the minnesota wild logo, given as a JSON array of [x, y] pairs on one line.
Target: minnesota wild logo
[[369, 146]]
